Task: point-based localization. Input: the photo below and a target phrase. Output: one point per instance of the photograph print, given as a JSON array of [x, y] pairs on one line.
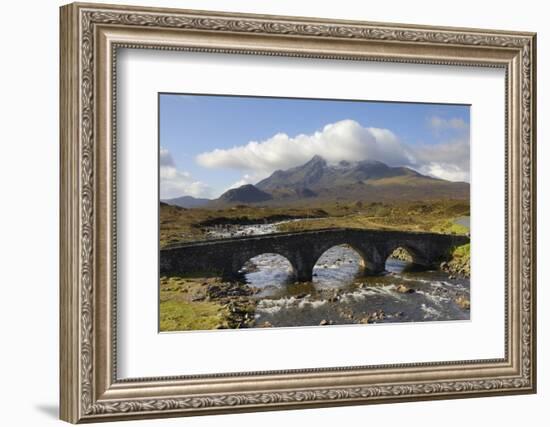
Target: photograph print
[[288, 212]]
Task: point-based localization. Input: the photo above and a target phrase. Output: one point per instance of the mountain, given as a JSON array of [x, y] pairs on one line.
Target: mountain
[[244, 194], [320, 182], [317, 175], [186, 202]]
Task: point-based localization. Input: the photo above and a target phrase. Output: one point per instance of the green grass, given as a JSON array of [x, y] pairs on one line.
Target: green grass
[[179, 310], [183, 301], [184, 225], [413, 216], [180, 316], [462, 251], [450, 227], [180, 225]]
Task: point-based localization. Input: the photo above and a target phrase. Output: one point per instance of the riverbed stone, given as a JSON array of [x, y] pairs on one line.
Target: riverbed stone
[[403, 289], [463, 302]]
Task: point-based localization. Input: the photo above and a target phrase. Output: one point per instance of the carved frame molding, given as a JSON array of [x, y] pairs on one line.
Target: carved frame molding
[[90, 36]]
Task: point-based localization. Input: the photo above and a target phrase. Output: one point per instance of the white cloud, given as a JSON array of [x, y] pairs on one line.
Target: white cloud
[[446, 171], [247, 179], [450, 160], [176, 183], [439, 123], [165, 158], [343, 140]]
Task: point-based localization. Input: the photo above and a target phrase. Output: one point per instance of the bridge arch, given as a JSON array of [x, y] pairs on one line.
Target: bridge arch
[[348, 262], [323, 250], [416, 256], [227, 256], [276, 274]]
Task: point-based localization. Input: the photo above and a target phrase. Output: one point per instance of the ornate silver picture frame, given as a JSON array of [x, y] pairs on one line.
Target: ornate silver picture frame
[[91, 36]]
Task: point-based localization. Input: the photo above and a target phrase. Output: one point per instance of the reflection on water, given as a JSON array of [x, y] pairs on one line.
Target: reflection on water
[[339, 294], [337, 267], [269, 272]]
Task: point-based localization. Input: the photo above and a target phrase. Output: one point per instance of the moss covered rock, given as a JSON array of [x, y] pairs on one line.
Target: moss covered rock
[[459, 263]]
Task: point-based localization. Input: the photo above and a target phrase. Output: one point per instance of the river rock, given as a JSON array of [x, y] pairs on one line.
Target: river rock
[[458, 266], [402, 289], [401, 255], [334, 297], [378, 315], [365, 320], [227, 290], [241, 313], [346, 314], [463, 302]]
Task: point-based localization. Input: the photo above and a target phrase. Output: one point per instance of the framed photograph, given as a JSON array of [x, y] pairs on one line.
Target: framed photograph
[[266, 212]]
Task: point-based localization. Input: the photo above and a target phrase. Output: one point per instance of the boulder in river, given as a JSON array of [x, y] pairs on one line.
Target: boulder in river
[[402, 289], [334, 297], [463, 302]]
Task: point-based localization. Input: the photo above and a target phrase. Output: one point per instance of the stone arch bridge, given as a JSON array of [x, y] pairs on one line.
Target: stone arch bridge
[[302, 249]]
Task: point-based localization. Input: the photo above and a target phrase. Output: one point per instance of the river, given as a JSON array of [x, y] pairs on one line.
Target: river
[[339, 294], [464, 221]]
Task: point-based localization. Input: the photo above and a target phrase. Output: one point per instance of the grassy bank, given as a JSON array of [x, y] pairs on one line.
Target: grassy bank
[[412, 216], [184, 306], [204, 303], [179, 224]]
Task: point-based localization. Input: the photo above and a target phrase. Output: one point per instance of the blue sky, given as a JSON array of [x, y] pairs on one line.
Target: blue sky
[[212, 143]]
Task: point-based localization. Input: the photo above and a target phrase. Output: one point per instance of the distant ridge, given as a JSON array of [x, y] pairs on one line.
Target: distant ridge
[[186, 202], [247, 193], [319, 181]]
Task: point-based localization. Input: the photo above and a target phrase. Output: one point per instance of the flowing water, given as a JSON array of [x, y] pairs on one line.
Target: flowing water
[[339, 294]]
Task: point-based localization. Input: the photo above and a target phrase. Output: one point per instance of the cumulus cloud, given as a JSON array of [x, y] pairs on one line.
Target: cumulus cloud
[[176, 183], [343, 140]]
